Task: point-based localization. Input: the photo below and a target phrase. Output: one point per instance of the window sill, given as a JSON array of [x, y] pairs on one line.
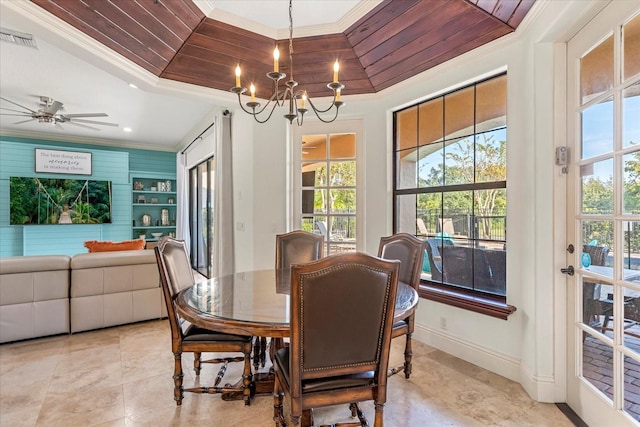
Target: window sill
[[482, 305]]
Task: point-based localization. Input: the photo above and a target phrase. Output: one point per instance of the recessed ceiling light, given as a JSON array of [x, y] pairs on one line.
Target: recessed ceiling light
[[133, 85], [127, 129]]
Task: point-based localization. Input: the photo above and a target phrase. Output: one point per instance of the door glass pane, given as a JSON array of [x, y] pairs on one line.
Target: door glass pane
[[597, 241], [631, 115], [631, 391], [314, 147], [597, 364], [631, 185], [343, 174], [631, 249], [632, 318], [597, 129], [597, 187], [597, 308], [342, 146], [631, 45], [596, 71]]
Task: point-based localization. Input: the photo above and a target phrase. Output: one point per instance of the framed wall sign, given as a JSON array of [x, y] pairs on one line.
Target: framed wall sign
[[59, 161]]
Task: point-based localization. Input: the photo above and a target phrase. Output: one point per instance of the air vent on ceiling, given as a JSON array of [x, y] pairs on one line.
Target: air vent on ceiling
[[17, 37]]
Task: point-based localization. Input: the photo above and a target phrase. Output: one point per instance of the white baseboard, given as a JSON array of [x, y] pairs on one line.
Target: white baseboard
[[539, 388]]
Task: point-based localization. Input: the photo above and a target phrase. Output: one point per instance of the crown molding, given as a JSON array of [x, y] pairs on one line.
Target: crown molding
[[83, 140], [350, 18]]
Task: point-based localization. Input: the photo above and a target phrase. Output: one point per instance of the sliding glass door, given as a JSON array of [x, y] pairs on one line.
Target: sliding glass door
[[201, 202]]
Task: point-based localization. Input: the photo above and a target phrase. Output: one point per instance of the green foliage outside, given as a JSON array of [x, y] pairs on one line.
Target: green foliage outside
[[468, 163]]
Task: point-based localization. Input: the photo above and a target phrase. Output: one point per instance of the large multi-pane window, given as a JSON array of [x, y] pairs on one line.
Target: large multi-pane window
[[329, 189], [450, 185], [201, 191]]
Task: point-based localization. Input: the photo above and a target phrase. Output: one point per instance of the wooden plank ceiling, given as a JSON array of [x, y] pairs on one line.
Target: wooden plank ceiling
[[396, 40]]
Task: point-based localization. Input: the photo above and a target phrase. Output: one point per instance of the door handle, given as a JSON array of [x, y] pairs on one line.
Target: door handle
[[569, 270]]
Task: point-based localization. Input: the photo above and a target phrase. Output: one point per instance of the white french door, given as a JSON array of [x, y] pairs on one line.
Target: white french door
[[603, 217]]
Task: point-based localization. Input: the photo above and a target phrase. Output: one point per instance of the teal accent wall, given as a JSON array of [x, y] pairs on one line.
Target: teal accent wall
[[17, 158]]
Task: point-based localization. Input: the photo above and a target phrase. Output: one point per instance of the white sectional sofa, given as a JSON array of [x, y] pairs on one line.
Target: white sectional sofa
[[114, 288], [34, 296], [54, 294]]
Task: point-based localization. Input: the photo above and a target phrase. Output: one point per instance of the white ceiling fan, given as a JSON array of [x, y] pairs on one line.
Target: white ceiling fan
[[50, 111]]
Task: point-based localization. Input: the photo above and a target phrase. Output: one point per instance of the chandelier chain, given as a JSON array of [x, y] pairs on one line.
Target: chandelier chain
[[291, 37]]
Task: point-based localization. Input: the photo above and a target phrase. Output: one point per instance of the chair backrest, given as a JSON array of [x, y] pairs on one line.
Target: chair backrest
[[598, 254], [409, 250], [296, 247], [175, 274], [176, 260], [359, 290], [462, 265]]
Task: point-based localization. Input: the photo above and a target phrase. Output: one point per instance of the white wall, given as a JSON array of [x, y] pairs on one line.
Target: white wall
[[524, 347]]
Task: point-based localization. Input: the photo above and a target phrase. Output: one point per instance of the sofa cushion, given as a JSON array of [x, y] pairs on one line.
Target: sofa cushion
[[107, 246]]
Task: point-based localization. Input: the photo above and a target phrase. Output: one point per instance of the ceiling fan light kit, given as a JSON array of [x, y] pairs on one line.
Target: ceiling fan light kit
[[50, 112], [290, 94]]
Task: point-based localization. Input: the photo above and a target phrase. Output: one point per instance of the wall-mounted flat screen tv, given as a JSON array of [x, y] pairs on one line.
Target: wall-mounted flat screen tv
[[59, 201]]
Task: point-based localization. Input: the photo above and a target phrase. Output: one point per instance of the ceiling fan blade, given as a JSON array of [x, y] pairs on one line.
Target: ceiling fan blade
[[24, 121], [16, 104], [81, 125], [93, 122], [86, 115], [15, 111], [16, 115]]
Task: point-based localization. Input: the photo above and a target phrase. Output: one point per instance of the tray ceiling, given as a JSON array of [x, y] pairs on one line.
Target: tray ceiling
[[394, 41]]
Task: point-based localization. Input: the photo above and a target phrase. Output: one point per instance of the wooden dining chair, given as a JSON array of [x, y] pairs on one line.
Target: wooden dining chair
[[176, 274], [342, 310], [409, 250], [298, 246], [294, 247]]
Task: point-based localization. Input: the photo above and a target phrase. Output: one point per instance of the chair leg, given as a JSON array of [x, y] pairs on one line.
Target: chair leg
[[246, 377], [408, 354], [177, 378], [379, 415], [278, 415], [196, 362]]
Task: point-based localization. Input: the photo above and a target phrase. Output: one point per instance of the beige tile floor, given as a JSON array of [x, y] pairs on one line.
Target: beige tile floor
[[122, 377]]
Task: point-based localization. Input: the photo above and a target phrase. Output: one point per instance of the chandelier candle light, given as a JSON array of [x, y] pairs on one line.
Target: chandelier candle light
[[289, 94]]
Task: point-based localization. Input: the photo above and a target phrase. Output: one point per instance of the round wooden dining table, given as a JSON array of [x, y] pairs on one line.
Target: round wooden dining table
[[256, 303]]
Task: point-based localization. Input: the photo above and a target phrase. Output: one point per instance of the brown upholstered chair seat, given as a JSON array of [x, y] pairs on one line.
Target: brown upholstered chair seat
[[364, 379], [195, 333]]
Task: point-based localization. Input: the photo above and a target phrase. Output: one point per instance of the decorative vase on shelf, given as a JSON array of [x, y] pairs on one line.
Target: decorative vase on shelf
[[167, 185]]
